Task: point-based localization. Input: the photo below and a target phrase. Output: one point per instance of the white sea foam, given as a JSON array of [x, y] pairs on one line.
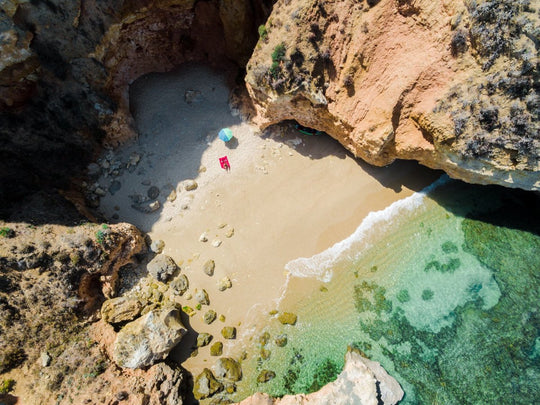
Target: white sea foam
[[320, 265]]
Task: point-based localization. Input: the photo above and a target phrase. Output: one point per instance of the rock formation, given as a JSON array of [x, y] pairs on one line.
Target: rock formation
[[449, 86], [362, 382]]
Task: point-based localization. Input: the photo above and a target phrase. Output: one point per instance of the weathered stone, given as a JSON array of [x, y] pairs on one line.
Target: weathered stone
[[264, 338], [206, 385], [45, 359], [190, 185], [120, 309], [228, 332], [287, 318], [216, 349], [162, 267], [209, 267], [209, 316], [265, 376], [202, 297], [216, 243], [203, 237], [224, 283], [114, 187], [179, 284], [228, 369], [204, 339], [148, 339], [172, 196], [229, 233]]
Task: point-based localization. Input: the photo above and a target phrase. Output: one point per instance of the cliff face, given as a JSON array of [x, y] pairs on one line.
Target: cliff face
[[408, 79], [66, 67]]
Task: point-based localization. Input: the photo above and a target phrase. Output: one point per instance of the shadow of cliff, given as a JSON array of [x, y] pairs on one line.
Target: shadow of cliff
[[395, 176]]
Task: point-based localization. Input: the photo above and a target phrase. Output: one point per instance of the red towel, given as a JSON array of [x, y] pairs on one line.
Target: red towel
[[224, 162]]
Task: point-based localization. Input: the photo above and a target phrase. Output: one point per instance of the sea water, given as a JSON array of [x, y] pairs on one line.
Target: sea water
[[441, 288]]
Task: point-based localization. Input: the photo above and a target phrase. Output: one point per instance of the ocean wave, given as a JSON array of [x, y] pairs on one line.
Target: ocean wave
[[320, 265]]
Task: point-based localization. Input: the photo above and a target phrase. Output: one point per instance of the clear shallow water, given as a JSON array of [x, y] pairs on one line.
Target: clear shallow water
[[441, 288]]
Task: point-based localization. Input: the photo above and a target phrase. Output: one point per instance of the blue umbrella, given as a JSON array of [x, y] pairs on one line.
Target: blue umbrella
[[225, 134]]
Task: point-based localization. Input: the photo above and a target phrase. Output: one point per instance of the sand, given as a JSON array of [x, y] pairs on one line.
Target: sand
[[287, 195]]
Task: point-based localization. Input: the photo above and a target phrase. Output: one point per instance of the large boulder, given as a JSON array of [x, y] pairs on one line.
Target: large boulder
[[228, 369], [206, 385], [162, 267], [120, 309], [148, 339]]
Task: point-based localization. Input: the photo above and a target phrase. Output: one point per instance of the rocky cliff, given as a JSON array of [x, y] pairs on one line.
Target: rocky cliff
[[451, 84]]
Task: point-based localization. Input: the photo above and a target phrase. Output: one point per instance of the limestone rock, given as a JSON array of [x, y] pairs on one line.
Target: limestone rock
[[287, 318], [120, 309], [228, 332], [162, 267], [206, 385], [148, 339], [45, 359], [224, 283], [179, 284], [202, 297], [209, 316], [228, 369], [204, 339], [190, 185], [216, 349], [157, 246], [209, 267]]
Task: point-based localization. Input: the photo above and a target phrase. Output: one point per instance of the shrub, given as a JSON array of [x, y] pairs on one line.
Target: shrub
[[7, 386], [7, 232], [458, 44], [263, 33], [279, 53], [489, 118]]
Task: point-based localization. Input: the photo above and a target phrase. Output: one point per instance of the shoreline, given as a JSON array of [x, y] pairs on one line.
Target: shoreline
[[287, 196]]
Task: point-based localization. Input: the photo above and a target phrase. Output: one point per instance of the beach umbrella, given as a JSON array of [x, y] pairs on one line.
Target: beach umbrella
[[225, 134]]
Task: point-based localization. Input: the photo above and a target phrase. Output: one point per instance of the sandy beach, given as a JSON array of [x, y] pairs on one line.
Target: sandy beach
[[287, 195]]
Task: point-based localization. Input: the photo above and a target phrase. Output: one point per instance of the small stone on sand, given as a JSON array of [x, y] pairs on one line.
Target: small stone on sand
[[203, 237], [216, 243], [157, 246]]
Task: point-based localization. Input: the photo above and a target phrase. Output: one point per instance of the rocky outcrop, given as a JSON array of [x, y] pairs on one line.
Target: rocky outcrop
[[362, 382], [148, 339], [407, 79]]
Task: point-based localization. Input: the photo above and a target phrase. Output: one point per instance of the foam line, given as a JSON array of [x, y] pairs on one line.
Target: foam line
[[320, 265]]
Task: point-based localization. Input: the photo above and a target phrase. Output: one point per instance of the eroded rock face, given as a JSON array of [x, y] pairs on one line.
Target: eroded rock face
[[406, 80], [358, 384], [148, 339]]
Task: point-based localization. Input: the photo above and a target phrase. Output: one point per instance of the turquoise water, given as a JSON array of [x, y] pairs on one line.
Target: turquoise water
[[441, 288]]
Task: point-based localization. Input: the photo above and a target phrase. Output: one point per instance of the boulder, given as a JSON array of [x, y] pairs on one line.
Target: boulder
[[206, 385], [148, 339], [120, 309], [209, 267], [228, 332], [287, 318], [228, 369], [162, 267]]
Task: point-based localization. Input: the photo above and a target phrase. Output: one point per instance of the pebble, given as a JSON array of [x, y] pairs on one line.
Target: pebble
[[203, 237], [93, 169], [216, 243], [45, 359], [190, 185], [99, 191], [146, 182], [224, 283], [229, 233], [209, 268]]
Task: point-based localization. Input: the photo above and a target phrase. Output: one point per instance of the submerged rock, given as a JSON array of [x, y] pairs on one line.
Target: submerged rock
[[146, 207], [228, 369], [265, 376], [206, 385], [287, 318], [148, 339]]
